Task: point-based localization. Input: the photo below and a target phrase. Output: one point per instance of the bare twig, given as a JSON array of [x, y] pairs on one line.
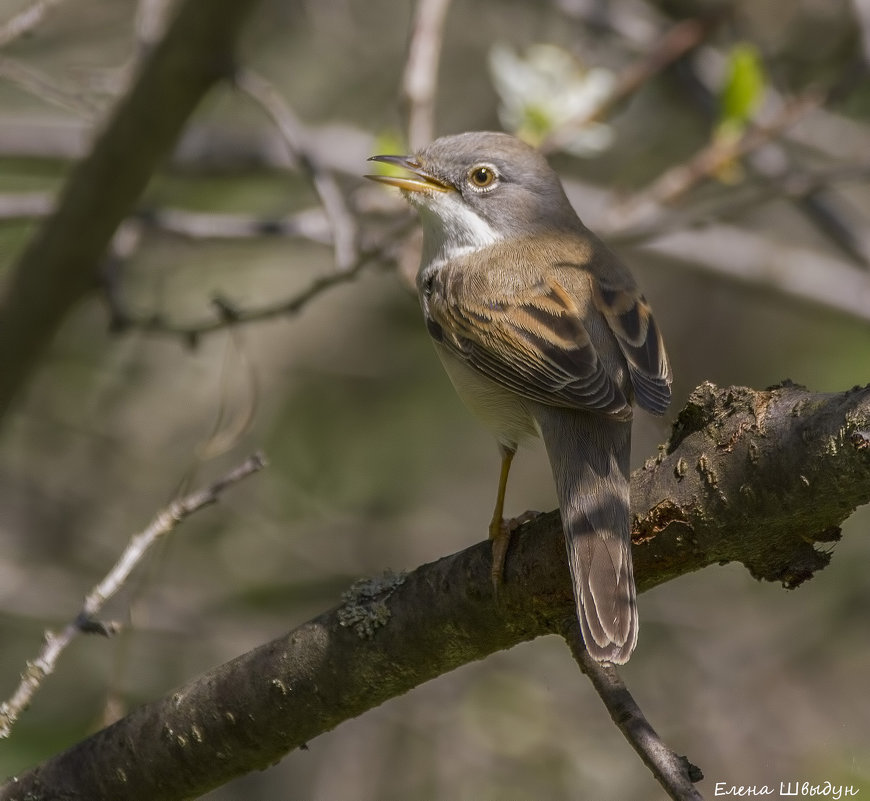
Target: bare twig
[[86, 620], [25, 21], [675, 182], [776, 164], [47, 88], [738, 201], [420, 78], [229, 315], [311, 224], [675, 773], [342, 222]]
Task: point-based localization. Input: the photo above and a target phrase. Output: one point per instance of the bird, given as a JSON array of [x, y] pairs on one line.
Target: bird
[[543, 332]]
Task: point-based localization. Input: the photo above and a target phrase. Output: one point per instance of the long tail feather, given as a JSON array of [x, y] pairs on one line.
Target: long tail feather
[[589, 454]]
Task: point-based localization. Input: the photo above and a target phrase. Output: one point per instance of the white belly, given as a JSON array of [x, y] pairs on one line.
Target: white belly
[[504, 412]]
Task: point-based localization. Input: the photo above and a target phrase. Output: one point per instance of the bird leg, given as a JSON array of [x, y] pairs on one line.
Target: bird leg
[[499, 529]]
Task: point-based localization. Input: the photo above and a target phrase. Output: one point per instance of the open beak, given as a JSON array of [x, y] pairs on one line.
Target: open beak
[[420, 182]]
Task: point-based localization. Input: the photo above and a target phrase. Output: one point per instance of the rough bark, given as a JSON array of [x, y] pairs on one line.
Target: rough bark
[[758, 477]]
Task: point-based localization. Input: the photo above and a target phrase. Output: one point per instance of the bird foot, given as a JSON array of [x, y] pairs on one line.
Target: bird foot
[[500, 532]]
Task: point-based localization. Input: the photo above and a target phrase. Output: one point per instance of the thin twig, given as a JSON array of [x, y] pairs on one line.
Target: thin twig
[[47, 88], [420, 78], [228, 314], [738, 202], [675, 182], [675, 773], [342, 222], [777, 164], [86, 619], [703, 76], [310, 224]]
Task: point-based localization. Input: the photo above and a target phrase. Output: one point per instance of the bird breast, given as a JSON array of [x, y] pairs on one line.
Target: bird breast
[[505, 413]]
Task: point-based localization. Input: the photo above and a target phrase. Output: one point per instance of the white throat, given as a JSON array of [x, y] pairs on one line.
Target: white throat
[[452, 230]]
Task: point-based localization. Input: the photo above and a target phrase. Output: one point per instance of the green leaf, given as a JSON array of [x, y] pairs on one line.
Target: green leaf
[[744, 85]]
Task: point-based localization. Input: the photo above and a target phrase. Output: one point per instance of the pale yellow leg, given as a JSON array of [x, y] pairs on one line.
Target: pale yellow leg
[[499, 532]]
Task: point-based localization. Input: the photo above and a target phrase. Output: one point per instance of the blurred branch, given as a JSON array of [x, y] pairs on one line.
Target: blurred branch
[[47, 88], [862, 15], [759, 477], [420, 78], [202, 148], [342, 222], [86, 620], [25, 205], [310, 224], [760, 261], [739, 200], [774, 162], [150, 23], [674, 773], [228, 314], [640, 25], [710, 160], [25, 21], [64, 255]]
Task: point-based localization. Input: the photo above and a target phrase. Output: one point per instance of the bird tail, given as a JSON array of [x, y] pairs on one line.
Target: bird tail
[[589, 454]]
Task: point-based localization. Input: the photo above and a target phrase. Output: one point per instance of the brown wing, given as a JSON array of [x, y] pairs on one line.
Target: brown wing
[[531, 340], [630, 318]]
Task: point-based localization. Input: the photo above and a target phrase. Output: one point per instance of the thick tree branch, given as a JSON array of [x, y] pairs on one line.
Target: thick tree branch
[[748, 476], [60, 264]]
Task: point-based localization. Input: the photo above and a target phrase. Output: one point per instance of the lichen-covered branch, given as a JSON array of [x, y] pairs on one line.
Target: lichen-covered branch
[[758, 477]]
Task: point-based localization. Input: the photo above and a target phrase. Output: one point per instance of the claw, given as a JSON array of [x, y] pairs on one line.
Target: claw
[[500, 532]]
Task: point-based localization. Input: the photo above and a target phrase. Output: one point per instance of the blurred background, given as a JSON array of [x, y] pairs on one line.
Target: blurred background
[[374, 463]]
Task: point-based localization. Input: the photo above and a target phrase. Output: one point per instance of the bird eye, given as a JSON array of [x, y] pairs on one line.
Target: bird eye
[[482, 176]]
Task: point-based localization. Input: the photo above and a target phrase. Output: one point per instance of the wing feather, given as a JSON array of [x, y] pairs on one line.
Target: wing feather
[[630, 318], [532, 341]]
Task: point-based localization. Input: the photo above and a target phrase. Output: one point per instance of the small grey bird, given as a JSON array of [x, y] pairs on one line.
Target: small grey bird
[[542, 331]]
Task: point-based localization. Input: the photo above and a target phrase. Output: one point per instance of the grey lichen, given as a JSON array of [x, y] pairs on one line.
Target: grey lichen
[[365, 603]]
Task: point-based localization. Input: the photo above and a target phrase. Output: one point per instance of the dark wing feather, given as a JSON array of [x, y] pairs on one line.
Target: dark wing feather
[[532, 341], [630, 318]]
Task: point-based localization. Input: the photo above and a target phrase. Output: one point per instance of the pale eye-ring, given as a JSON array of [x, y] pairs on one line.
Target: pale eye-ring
[[482, 176]]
